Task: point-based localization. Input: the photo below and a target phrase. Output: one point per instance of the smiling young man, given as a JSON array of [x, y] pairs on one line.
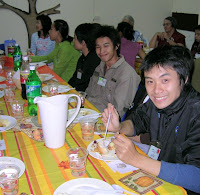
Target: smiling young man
[[114, 80], [170, 37], [171, 116]]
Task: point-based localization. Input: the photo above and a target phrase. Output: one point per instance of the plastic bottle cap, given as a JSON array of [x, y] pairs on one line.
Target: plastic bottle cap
[[16, 44], [25, 58], [32, 67]]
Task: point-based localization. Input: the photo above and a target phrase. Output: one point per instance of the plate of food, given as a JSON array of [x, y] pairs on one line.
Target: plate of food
[[10, 160], [76, 186], [2, 79], [7, 122], [61, 88], [1, 93], [102, 149], [45, 77], [82, 112]]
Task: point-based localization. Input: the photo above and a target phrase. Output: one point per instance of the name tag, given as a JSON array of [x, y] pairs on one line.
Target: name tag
[[154, 152], [79, 74], [102, 81]]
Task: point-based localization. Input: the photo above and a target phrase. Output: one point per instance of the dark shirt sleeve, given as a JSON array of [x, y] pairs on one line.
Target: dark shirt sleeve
[[187, 176], [87, 67]]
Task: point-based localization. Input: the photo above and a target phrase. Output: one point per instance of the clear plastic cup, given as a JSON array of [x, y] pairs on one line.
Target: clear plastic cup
[[9, 93], [17, 108], [9, 179], [52, 88], [77, 159], [87, 128]]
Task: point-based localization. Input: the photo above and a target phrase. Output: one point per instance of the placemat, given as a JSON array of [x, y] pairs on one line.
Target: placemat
[[140, 181]]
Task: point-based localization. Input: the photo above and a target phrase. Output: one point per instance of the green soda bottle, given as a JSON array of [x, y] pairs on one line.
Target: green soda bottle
[[33, 89], [17, 58]]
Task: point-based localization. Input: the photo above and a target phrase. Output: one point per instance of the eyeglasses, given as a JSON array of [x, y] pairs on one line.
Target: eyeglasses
[[166, 24]]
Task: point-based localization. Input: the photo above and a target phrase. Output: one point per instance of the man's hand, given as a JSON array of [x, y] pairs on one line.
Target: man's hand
[[114, 124], [125, 150]]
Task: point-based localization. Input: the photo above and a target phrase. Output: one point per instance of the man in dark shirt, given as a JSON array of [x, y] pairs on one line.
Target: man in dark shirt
[[171, 116], [84, 41]]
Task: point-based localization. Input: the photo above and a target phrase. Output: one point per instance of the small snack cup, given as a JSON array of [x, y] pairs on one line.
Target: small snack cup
[[9, 179], [77, 159], [87, 127]]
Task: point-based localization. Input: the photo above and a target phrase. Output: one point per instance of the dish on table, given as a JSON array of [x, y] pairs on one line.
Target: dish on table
[[1, 93], [110, 156], [72, 186], [82, 112], [8, 121], [45, 77], [2, 79], [10, 160], [61, 88]]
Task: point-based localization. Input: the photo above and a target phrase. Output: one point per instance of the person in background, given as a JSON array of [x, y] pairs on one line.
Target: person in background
[[64, 56], [84, 41], [171, 116], [129, 49], [41, 43], [114, 80], [136, 34], [170, 37], [196, 45]]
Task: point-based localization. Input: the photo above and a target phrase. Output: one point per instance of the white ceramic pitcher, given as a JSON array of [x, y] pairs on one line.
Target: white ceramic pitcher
[[53, 114]]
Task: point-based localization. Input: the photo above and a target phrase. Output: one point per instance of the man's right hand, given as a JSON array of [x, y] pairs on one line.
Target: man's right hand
[[114, 124]]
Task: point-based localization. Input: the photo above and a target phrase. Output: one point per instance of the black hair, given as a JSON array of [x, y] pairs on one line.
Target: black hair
[[87, 32], [173, 21], [177, 57], [63, 28], [197, 28], [126, 29], [46, 24], [112, 34]]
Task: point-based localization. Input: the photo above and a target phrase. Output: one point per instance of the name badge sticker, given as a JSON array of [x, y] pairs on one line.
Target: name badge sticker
[[79, 75], [102, 81], [154, 152]]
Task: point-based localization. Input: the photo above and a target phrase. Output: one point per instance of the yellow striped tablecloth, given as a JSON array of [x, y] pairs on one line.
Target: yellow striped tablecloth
[[43, 175]]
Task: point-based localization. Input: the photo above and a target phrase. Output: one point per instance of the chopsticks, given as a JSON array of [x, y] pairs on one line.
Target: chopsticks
[[107, 125]]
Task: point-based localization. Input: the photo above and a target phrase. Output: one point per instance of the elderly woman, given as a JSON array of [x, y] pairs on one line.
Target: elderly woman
[[170, 37], [136, 34], [64, 56]]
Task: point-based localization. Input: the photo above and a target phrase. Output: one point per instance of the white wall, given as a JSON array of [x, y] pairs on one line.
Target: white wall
[[148, 14]]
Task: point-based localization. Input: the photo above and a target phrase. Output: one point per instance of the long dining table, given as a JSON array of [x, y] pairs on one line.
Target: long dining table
[[44, 170]]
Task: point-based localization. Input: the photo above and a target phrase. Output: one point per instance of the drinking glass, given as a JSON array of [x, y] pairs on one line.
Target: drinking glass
[[17, 108], [87, 128], [9, 93], [77, 159], [9, 179]]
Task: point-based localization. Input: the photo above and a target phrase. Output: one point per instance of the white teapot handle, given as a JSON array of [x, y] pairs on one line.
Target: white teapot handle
[[77, 109]]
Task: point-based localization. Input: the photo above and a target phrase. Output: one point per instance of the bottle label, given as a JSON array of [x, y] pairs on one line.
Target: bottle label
[[33, 91], [23, 77], [11, 50], [17, 58]]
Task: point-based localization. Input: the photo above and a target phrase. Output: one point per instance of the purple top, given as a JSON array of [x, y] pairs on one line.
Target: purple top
[[129, 50]]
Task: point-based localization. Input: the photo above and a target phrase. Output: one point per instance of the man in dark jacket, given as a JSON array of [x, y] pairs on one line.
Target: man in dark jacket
[[84, 41], [171, 117]]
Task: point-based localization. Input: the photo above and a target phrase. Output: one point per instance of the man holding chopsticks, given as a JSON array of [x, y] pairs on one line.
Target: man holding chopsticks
[[171, 116]]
